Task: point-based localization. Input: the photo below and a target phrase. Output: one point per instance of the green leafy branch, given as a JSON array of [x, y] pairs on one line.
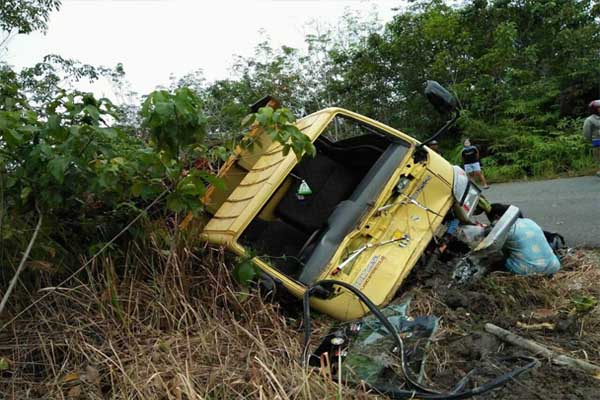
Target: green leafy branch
[[279, 125], [174, 119]]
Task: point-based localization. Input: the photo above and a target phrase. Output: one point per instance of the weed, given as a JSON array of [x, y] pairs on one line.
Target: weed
[[158, 324]]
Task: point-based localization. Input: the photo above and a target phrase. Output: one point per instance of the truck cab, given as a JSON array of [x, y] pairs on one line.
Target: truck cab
[[362, 210]]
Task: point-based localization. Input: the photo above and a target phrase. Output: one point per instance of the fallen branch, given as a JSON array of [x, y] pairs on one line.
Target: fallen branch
[[542, 325], [538, 349], [13, 281]]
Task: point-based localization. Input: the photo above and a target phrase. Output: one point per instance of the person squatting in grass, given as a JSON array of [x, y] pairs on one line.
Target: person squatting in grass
[[470, 158], [526, 249], [591, 131]]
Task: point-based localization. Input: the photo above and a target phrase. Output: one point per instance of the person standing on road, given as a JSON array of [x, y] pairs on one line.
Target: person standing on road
[[470, 157], [591, 131]]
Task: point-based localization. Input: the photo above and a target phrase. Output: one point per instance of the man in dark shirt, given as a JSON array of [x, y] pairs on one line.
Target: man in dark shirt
[[470, 157]]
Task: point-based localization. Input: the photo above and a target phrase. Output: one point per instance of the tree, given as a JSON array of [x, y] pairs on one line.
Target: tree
[[26, 16], [18, 16], [522, 70], [67, 156]]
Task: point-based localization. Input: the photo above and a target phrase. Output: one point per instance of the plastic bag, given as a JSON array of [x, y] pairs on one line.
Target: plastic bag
[[470, 234]]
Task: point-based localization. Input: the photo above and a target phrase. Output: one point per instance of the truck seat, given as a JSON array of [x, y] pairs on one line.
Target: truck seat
[[330, 183]]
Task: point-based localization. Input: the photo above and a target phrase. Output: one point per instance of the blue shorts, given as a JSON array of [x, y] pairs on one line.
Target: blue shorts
[[595, 142], [473, 167]]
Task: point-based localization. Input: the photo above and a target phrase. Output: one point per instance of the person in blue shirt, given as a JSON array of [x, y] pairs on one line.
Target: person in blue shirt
[[526, 249], [470, 158]]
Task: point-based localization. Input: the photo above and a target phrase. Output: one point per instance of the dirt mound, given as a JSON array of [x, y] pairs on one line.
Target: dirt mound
[[558, 312]]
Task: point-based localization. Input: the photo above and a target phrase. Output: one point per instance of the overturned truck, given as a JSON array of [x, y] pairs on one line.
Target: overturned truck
[[369, 206]]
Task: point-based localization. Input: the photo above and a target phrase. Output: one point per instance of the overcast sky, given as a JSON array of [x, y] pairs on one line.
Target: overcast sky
[[156, 38]]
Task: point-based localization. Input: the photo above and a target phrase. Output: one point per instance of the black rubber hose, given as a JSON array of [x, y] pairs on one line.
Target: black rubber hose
[[393, 392], [375, 310]]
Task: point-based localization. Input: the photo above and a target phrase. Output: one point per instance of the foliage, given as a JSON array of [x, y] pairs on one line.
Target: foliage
[[68, 154], [64, 158], [584, 304], [245, 271], [26, 16], [173, 119], [522, 156], [279, 125], [54, 73], [60, 154], [522, 70]]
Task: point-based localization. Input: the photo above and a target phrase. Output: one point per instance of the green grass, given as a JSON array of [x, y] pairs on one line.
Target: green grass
[[523, 156]]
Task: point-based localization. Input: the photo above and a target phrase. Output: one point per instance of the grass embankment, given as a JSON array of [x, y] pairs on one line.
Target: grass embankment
[[497, 175], [524, 156], [173, 325]]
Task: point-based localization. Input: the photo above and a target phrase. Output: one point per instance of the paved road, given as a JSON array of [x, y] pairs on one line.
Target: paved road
[[570, 206]]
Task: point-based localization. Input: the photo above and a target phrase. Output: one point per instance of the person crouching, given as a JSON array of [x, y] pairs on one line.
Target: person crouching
[[526, 249]]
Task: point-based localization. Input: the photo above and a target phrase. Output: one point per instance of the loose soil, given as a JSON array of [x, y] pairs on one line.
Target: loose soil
[[564, 301]]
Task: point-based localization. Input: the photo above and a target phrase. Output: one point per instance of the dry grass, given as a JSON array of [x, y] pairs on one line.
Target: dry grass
[[170, 325]]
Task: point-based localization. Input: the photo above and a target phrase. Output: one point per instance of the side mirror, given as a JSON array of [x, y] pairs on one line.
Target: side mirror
[[445, 103], [440, 98]]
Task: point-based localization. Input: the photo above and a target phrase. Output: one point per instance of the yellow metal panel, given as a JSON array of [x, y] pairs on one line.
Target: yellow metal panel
[[231, 210], [441, 167], [380, 271], [313, 127], [257, 186], [248, 157], [231, 181]]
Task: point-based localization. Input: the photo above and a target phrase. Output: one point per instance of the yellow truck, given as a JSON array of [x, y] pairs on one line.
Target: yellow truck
[[363, 210]]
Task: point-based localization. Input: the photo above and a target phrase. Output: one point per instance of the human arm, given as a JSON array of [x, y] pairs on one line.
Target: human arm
[[587, 129]]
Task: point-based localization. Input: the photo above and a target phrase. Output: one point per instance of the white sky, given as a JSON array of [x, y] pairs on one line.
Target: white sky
[[156, 38]]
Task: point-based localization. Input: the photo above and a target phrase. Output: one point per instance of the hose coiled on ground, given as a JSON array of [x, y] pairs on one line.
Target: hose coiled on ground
[[420, 391]]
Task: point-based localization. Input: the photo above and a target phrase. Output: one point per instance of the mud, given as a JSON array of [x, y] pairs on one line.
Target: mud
[[513, 303]]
